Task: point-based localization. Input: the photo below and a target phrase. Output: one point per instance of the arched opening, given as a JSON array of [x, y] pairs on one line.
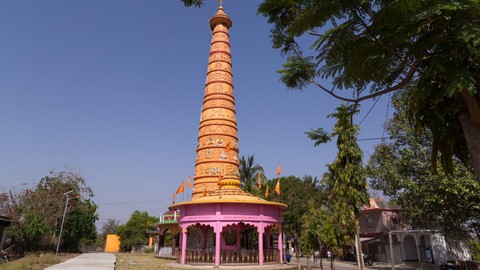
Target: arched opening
[[271, 251], [239, 244], [167, 243], [200, 244]]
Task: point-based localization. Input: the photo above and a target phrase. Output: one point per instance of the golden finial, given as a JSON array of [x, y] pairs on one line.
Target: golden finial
[[220, 3]]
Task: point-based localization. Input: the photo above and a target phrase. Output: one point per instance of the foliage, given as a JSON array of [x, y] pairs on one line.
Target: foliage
[[39, 212], [428, 48], [110, 226], [249, 172], [346, 179], [134, 232], [80, 222], [336, 221], [295, 192], [400, 169]]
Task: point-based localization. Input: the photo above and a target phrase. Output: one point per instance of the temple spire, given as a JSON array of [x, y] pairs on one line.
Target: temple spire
[[217, 162]]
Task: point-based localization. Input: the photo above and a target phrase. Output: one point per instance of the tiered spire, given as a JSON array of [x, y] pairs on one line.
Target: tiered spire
[[217, 162]]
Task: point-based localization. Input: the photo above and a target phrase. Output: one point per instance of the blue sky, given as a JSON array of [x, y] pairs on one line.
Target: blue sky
[[113, 89]]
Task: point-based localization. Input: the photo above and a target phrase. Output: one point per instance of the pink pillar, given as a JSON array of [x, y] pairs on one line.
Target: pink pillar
[[268, 235], [184, 245], [204, 237], [280, 242], [238, 230], [218, 235], [260, 244]]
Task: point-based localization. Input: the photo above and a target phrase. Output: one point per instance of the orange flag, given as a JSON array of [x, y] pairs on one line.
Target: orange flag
[[279, 170], [266, 192], [259, 182], [277, 187], [173, 195], [204, 192], [181, 188], [188, 182], [228, 147]]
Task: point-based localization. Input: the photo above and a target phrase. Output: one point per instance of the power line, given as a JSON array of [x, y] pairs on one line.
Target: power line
[[373, 139], [138, 202]]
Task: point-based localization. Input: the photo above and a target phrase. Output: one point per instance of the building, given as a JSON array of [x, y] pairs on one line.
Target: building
[[387, 237], [168, 234], [5, 222], [222, 224]]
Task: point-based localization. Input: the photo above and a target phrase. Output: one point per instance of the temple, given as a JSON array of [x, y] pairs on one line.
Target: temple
[[222, 224]]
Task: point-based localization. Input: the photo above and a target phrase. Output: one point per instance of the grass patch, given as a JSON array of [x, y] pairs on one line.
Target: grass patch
[[130, 261], [36, 261]]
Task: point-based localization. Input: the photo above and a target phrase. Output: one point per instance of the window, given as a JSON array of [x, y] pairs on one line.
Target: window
[[370, 222]]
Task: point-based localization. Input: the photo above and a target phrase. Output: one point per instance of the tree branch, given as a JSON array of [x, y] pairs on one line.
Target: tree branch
[[314, 33], [472, 106]]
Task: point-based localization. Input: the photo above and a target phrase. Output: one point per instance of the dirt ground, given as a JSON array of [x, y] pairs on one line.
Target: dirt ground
[[130, 261]]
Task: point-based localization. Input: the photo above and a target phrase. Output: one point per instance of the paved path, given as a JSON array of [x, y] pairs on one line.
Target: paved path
[[106, 261], [90, 261]]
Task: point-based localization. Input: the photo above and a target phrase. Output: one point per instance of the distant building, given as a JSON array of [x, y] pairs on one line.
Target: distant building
[[5, 222], [168, 234], [112, 244], [383, 231]]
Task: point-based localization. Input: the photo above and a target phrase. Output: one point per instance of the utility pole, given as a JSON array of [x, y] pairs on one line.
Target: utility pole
[[63, 218]]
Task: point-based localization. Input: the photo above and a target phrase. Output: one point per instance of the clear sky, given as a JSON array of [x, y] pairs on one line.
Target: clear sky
[[113, 89]]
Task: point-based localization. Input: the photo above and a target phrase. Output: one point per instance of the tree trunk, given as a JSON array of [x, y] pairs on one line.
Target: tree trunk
[[470, 121], [320, 253], [297, 252], [358, 247]]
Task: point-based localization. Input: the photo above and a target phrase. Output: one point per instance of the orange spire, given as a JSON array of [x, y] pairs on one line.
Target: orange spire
[[217, 149]]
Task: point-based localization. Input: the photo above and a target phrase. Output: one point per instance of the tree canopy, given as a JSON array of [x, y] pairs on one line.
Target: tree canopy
[[134, 232], [39, 211], [365, 49], [399, 168]]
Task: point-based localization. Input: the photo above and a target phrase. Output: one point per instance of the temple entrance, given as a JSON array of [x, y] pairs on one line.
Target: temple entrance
[[200, 244], [239, 244], [271, 253], [168, 243]]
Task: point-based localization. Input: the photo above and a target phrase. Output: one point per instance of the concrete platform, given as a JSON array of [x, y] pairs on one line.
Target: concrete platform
[[232, 267], [87, 261]]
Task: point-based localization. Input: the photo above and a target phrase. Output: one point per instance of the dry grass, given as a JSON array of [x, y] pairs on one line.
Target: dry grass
[[36, 261], [130, 261]]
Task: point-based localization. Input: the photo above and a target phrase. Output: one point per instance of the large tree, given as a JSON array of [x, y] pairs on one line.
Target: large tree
[[369, 48], [400, 168], [346, 178], [39, 212]]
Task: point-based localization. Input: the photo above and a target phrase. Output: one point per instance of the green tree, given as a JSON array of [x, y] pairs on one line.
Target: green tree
[[328, 228], [134, 232], [294, 192], [346, 177], [429, 48], [79, 229], [39, 213], [399, 168], [248, 173]]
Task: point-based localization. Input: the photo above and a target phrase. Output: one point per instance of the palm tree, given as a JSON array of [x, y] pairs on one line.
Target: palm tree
[[248, 172]]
